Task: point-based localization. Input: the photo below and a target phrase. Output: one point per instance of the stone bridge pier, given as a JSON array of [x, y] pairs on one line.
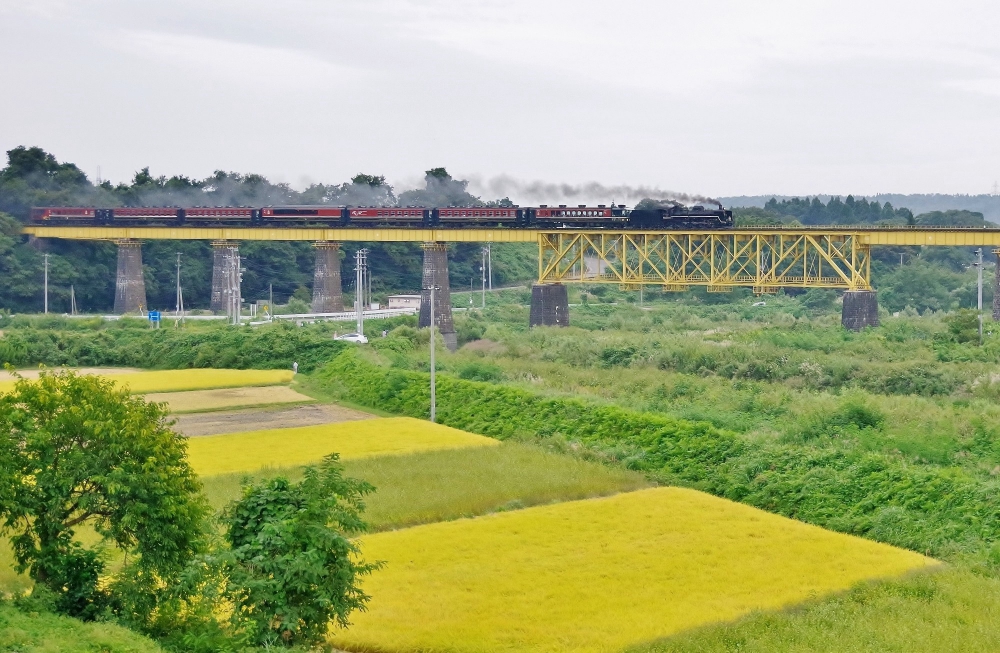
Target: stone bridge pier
[[549, 305], [130, 286], [327, 290], [436, 275], [222, 251], [860, 309]]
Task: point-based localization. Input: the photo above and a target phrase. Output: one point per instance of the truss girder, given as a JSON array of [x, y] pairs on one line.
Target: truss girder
[[764, 261]]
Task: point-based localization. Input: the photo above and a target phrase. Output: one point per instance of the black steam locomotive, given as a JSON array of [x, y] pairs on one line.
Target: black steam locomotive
[[602, 216]]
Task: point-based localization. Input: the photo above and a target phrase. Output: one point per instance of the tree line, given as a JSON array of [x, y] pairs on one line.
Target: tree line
[[34, 177]]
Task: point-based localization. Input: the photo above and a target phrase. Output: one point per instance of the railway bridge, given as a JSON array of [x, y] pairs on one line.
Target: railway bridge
[[762, 258]]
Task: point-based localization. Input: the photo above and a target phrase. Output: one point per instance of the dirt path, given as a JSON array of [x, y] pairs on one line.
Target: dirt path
[[257, 419]]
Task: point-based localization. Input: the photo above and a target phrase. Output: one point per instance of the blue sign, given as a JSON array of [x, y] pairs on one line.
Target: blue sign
[[154, 316]]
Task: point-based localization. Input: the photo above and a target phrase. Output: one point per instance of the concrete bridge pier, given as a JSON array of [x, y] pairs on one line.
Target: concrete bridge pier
[[549, 305], [436, 275], [327, 291], [130, 286], [222, 253], [860, 309]]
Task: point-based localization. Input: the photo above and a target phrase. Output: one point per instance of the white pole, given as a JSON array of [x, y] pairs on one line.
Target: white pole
[[177, 307], [46, 283], [979, 269], [482, 269], [489, 262], [72, 300], [433, 366], [359, 288], [270, 302]]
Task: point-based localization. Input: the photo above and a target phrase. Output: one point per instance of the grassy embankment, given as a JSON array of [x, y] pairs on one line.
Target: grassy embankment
[[30, 631]]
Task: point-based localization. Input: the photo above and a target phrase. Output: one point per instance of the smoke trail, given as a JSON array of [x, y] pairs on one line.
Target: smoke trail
[[534, 192]]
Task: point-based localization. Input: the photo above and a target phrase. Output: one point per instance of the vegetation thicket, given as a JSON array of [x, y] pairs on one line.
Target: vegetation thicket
[[131, 343]]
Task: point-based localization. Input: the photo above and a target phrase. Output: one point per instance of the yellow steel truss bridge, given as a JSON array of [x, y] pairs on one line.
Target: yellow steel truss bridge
[[764, 258]]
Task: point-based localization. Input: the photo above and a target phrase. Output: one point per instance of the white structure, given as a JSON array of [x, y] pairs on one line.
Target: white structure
[[404, 301]]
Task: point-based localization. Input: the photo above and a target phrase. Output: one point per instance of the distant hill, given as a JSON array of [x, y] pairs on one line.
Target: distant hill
[[988, 205]]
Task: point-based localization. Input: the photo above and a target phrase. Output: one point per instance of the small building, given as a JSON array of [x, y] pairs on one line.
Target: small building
[[404, 301]]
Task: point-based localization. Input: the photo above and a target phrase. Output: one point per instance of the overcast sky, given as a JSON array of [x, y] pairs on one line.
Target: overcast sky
[[709, 97]]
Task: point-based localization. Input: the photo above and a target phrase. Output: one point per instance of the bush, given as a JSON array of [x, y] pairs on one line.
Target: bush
[[274, 346]]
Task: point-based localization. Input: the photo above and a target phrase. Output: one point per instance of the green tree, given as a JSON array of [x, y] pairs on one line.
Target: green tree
[[76, 450], [963, 325], [292, 568]]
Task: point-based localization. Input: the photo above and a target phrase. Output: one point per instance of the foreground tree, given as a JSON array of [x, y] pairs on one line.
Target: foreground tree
[[291, 568], [75, 451]]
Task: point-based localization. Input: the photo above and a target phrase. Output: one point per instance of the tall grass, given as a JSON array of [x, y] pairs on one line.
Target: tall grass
[[40, 632], [442, 485], [952, 610]]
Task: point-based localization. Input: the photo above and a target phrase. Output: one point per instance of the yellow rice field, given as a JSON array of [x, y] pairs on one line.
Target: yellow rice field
[[250, 451], [600, 574], [198, 379], [203, 400]]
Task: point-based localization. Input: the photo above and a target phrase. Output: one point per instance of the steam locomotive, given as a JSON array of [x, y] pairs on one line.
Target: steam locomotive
[[602, 216]]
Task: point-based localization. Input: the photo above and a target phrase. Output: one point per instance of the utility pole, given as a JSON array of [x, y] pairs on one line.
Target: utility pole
[[979, 270], [179, 308], [489, 262], [46, 284], [234, 276], [360, 265], [433, 364], [482, 269], [72, 300], [270, 302]]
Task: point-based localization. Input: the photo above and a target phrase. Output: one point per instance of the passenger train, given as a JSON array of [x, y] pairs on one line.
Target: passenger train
[[541, 217]]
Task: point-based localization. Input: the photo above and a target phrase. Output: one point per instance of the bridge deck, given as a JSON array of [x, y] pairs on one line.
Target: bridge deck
[[873, 236]]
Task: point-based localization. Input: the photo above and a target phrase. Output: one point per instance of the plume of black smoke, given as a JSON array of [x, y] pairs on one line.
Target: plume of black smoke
[[534, 192]]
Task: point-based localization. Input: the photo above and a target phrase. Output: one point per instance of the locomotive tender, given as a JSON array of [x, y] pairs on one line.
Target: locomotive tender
[[541, 217]]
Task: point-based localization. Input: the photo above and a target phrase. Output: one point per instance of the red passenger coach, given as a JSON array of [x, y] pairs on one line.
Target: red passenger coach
[[390, 216], [219, 215], [476, 216], [146, 215]]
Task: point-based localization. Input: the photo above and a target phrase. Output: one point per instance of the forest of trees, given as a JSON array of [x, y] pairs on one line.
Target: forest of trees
[[33, 177]]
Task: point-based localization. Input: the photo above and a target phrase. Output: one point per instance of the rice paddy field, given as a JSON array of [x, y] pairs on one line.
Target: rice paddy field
[[190, 379], [601, 574], [192, 401], [252, 451], [433, 486]]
